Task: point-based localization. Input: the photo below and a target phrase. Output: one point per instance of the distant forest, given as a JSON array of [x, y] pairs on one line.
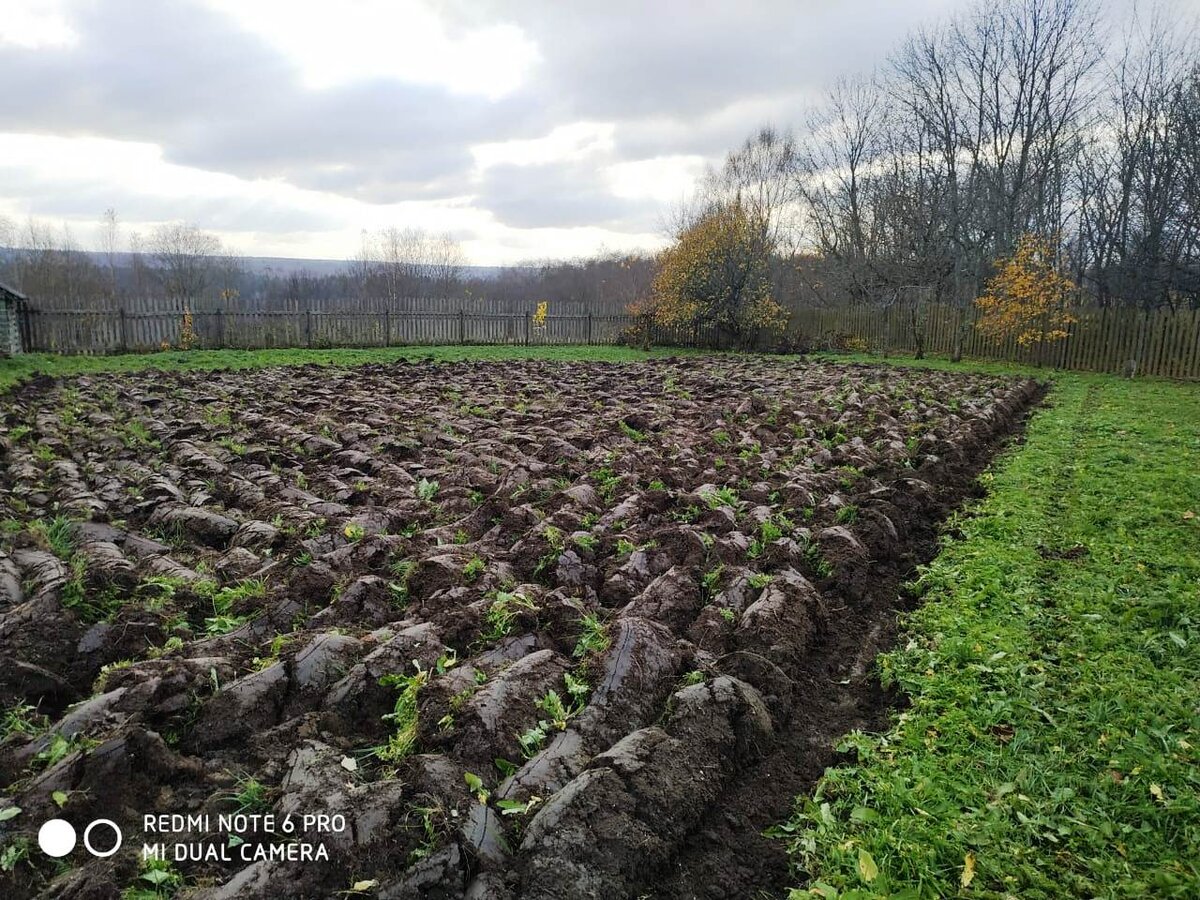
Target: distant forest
[[181, 261]]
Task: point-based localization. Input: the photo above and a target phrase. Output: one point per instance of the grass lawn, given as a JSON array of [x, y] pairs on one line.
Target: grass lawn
[[1051, 746], [16, 369]]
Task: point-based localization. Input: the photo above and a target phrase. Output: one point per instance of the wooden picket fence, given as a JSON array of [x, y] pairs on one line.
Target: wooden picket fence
[[146, 326], [1158, 342], [1161, 342]]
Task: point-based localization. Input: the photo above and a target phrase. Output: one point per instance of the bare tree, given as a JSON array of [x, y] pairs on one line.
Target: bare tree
[[110, 232], [841, 164], [444, 263], [8, 233], [400, 261], [1138, 191], [761, 177], [52, 270], [362, 265], [137, 263], [229, 275], [184, 259], [927, 172], [407, 262], [998, 95]]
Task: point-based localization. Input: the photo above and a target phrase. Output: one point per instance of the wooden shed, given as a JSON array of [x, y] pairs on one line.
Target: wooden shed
[[10, 333]]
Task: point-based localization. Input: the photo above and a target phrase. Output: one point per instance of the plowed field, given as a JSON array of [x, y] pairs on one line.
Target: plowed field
[[533, 629]]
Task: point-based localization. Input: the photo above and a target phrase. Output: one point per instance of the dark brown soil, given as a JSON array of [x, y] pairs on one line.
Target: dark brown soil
[[210, 578], [728, 854]]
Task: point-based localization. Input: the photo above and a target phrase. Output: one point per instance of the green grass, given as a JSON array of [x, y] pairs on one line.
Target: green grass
[[248, 796], [16, 369], [1051, 747], [404, 716]]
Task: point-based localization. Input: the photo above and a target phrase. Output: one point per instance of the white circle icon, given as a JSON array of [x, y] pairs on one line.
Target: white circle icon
[[87, 838], [57, 837]]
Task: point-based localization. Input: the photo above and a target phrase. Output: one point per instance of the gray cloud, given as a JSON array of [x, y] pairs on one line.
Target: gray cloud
[[81, 195], [559, 195], [691, 58], [218, 98], [675, 77]]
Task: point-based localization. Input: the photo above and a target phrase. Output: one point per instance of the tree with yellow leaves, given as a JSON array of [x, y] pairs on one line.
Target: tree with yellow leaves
[[718, 274], [1027, 298]]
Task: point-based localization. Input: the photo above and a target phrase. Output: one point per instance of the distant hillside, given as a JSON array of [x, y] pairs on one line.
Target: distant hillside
[[274, 265], [283, 265]]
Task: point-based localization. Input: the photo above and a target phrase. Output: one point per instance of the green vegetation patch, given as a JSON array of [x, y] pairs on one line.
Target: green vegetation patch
[[16, 369], [1052, 744]]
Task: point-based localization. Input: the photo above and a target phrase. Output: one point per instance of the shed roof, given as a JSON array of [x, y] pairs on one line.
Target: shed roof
[[7, 292]]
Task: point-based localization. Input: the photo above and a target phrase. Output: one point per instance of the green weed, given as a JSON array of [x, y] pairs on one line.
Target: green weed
[[473, 569], [711, 580], [15, 852], [22, 718], [403, 740], [248, 796], [593, 637], [630, 432], [60, 747], [721, 497], [427, 490], [503, 613], [157, 880]]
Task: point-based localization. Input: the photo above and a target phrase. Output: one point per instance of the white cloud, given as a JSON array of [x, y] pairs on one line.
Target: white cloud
[[565, 143], [353, 40], [34, 24], [666, 179], [72, 180]]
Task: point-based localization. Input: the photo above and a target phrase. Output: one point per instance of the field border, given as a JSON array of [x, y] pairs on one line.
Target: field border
[[17, 369], [1049, 747]]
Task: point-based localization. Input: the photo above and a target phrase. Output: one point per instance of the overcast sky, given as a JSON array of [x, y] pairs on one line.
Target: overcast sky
[[527, 129]]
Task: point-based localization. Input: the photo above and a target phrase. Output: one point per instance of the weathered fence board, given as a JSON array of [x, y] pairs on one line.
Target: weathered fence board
[[1159, 342], [1162, 342]]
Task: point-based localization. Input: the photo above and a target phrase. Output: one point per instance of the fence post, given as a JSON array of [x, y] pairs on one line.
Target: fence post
[[308, 325], [589, 328], [220, 328], [1064, 348], [24, 326], [462, 328], [387, 326], [124, 332], [887, 330]]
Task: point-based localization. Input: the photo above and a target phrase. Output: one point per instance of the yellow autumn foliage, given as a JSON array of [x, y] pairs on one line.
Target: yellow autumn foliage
[[187, 333], [718, 273], [539, 315], [1027, 298]]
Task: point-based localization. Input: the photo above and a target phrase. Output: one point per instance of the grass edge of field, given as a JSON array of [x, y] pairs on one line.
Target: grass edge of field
[[1049, 747], [16, 369]]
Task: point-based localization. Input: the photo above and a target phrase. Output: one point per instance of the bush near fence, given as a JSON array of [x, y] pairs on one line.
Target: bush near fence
[[1128, 341]]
